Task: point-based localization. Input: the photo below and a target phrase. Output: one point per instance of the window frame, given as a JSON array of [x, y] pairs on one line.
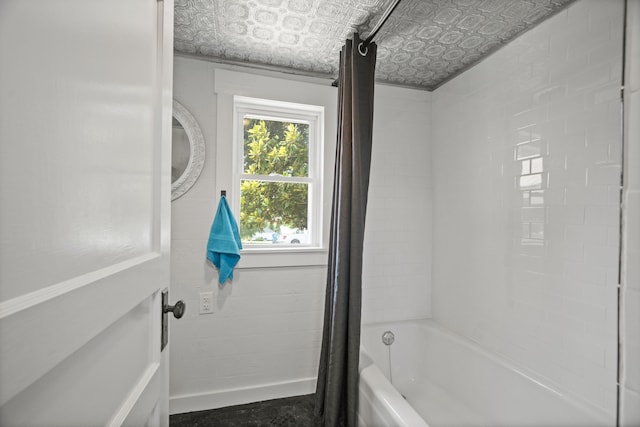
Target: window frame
[[267, 109]]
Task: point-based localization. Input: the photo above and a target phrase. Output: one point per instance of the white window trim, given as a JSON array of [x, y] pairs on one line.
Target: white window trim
[[284, 111], [227, 85]]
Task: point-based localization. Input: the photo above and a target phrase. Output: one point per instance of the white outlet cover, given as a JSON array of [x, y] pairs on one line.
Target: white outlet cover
[[206, 302]]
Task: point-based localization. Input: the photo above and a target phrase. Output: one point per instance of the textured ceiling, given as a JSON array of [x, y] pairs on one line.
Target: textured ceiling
[[424, 42]]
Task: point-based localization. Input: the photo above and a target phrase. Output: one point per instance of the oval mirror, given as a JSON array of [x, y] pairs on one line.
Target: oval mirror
[[187, 151]]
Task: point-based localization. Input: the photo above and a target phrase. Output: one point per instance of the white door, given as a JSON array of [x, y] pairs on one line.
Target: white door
[[85, 109]]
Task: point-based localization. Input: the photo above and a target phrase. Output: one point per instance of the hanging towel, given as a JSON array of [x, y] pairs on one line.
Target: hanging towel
[[223, 248]]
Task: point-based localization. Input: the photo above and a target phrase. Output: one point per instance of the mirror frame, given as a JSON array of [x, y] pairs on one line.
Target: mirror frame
[[196, 154]]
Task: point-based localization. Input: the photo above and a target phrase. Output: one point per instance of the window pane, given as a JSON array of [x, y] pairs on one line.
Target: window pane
[[273, 147], [271, 210]]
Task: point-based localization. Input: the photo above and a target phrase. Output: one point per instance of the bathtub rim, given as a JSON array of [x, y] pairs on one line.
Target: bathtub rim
[[400, 411]]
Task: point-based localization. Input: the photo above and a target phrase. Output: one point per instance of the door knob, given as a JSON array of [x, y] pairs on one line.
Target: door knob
[[177, 309]]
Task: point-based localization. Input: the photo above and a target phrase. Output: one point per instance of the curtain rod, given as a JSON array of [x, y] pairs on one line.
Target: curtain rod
[[381, 22], [385, 16]]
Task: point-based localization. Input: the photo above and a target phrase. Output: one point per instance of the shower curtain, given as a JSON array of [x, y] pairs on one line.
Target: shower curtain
[[337, 387]]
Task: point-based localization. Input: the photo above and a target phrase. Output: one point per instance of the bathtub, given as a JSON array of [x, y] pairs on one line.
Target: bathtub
[[442, 379]]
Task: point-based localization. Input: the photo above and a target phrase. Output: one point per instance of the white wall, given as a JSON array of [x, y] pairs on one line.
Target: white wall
[[397, 252], [630, 322], [264, 339], [527, 162]]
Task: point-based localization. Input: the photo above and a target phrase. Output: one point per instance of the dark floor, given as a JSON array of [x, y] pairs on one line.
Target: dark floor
[[291, 411]]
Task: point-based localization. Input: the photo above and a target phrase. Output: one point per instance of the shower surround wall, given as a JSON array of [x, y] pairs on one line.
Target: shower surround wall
[[396, 265], [527, 164]]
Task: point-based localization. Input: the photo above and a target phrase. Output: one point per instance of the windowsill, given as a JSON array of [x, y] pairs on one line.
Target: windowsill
[[282, 257]]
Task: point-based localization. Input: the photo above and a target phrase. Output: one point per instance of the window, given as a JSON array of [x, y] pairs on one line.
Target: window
[[278, 170]]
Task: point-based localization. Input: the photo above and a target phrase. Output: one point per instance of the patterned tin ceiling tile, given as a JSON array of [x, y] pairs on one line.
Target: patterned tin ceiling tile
[[423, 44]]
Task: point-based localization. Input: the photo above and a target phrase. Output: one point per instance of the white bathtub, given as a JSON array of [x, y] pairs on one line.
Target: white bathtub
[[441, 379]]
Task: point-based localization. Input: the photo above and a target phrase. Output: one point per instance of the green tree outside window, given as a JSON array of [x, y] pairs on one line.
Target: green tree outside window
[[274, 151]]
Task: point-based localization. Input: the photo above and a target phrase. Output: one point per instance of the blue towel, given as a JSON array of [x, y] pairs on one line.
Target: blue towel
[[223, 248]]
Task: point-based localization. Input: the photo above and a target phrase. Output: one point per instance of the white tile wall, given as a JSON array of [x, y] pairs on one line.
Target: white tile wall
[[397, 249], [526, 201]]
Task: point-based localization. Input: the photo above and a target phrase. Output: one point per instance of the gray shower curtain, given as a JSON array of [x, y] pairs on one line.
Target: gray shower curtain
[[337, 387]]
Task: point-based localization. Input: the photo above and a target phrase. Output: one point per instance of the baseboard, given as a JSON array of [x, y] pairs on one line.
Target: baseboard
[[240, 396]]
